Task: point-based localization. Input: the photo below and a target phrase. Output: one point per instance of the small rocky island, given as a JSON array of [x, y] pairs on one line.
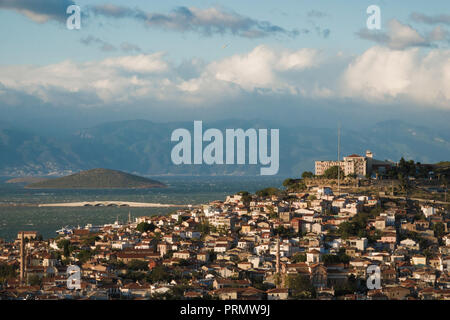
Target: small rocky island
[[98, 179]]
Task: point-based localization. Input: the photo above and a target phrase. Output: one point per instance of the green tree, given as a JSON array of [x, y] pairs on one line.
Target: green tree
[[246, 197], [137, 265], [307, 175], [288, 182], [144, 227], [65, 245], [341, 257], [439, 230], [203, 228], [34, 280], [299, 257], [158, 273], [267, 192], [332, 172], [301, 287], [90, 240], [7, 271], [84, 255]]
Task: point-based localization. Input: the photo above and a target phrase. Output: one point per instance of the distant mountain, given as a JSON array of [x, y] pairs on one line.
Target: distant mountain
[[144, 147], [98, 179]]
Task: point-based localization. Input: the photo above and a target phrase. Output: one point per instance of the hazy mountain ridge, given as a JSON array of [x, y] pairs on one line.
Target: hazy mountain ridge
[[144, 147]]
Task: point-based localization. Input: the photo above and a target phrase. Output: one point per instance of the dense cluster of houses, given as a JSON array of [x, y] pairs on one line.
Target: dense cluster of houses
[[246, 247]]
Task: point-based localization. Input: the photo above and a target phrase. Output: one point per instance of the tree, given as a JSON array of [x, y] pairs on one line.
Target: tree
[[90, 240], [301, 287], [144, 227], [439, 230], [307, 175], [299, 257], [284, 232], [267, 192], [158, 274], [137, 265], [7, 271], [288, 182], [34, 280], [348, 288], [246, 197], [65, 245], [341, 257], [203, 228], [294, 185], [332, 172]]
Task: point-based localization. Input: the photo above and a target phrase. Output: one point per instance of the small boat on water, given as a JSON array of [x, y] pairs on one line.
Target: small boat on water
[[65, 230]]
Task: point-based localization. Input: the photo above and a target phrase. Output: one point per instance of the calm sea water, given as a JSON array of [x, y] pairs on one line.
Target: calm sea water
[[181, 190]]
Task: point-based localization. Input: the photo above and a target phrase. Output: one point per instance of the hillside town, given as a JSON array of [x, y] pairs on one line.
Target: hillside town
[[272, 245]]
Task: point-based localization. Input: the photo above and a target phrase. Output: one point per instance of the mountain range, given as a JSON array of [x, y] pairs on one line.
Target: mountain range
[[144, 147]]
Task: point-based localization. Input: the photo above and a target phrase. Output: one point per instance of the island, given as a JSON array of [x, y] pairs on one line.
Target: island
[[98, 179]]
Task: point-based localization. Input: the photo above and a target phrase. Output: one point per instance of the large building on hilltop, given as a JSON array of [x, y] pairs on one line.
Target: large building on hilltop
[[354, 164]]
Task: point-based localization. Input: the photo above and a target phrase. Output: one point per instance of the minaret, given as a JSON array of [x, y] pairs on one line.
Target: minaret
[[22, 257], [129, 217], [278, 255]]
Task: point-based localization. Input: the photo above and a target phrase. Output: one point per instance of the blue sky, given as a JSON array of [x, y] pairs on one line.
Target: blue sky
[[316, 57], [52, 42]]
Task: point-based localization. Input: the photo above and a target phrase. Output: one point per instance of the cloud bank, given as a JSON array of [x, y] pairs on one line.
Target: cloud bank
[[214, 20], [431, 19], [378, 76]]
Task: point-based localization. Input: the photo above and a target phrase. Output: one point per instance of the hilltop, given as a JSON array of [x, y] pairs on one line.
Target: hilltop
[[98, 179]]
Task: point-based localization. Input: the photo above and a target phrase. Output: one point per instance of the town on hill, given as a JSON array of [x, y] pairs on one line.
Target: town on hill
[[327, 237]]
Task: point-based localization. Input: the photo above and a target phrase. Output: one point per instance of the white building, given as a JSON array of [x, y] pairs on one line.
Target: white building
[[428, 211]]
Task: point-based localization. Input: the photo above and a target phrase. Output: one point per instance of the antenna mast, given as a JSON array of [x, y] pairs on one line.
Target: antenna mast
[[339, 158]]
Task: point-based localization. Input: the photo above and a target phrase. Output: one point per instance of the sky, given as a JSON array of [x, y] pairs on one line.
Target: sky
[[291, 61]]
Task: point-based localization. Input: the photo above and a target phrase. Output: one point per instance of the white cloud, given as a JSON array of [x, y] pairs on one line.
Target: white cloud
[[139, 63], [399, 36], [378, 76], [384, 75], [404, 36], [262, 67]]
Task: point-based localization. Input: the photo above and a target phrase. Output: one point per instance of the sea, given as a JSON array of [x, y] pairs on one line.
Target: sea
[[19, 210]]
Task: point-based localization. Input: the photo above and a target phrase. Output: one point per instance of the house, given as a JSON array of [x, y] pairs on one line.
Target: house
[[228, 283], [313, 256], [418, 260], [319, 276], [185, 255], [249, 293], [396, 292], [277, 294], [358, 243]]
